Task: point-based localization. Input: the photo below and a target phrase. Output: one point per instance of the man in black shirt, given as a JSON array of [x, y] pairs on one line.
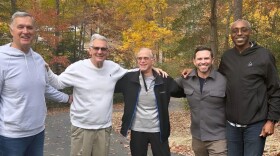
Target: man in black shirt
[[253, 93]]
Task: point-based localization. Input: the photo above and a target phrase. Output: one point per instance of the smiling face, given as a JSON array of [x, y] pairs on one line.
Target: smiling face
[[99, 52], [23, 31], [145, 61], [240, 34], [203, 62]]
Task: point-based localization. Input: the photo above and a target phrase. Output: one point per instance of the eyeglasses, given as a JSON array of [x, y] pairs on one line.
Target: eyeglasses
[[103, 49], [143, 58], [242, 30]]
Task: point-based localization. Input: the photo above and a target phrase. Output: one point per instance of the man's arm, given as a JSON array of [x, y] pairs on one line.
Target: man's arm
[[273, 91], [120, 85], [175, 89], [1, 80], [55, 95], [65, 79]]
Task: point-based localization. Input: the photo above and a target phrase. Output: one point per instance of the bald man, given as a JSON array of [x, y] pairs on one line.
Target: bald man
[[146, 98]]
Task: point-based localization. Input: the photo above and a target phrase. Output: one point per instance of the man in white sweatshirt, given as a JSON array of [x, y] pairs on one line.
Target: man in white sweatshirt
[[93, 81], [23, 87]]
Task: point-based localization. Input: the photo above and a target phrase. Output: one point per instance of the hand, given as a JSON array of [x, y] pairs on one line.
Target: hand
[[47, 67], [70, 100], [186, 72], [268, 129], [161, 72]]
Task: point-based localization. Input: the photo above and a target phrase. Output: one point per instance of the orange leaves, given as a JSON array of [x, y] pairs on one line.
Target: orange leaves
[[59, 60]]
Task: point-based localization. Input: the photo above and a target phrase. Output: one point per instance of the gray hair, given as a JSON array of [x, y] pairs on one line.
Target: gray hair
[[98, 37], [242, 20], [21, 14]]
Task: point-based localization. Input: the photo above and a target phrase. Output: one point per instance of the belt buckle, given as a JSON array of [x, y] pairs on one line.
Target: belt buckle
[[236, 125]]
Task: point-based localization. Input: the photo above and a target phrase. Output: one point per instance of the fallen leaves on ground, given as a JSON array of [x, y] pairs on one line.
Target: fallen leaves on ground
[[180, 137]]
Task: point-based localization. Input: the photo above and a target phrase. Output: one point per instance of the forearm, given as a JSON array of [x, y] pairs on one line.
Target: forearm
[[55, 95], [54, 80]]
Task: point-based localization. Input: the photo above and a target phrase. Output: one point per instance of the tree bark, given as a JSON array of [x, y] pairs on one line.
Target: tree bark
[[228, 26], [57, 34], [237, 9], [13, 6], [214, 29]]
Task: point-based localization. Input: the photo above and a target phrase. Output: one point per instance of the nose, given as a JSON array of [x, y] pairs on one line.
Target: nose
[[25, 30], [239, 32], [99, 50], [203, 61]]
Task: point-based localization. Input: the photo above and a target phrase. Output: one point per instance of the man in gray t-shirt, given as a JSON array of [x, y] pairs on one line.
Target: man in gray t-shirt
[[146, 98]]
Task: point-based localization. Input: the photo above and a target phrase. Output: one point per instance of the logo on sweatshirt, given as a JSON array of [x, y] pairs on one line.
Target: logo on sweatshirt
[[250, 64]]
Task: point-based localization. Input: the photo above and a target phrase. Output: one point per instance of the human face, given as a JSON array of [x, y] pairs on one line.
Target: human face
[[240, 34], [99, 52], [145, 61], [203, 62], [23, 31]]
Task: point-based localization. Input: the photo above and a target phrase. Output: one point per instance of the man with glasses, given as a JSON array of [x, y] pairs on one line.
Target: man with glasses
[[146, 98], [253, 93], [93, 81]]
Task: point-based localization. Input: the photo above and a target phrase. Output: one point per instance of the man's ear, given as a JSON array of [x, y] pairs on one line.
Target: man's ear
[[213, 60], [89, 52]]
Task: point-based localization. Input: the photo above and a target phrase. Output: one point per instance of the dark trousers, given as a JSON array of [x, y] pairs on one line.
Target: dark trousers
[[140, 140], [245, 141], [27, 146]]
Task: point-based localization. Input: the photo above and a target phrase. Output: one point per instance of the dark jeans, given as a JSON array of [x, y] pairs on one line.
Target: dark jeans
[[245, 141], [27, 146], [140, 140]]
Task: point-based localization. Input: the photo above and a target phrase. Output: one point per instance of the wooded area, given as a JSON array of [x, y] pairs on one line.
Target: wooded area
[[173, 28]]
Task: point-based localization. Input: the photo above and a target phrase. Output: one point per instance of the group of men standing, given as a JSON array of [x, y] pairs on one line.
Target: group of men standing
[[233, 109]]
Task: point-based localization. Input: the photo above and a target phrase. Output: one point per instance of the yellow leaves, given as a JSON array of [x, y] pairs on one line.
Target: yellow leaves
[[143, 34], [4, 27], [146, 20]]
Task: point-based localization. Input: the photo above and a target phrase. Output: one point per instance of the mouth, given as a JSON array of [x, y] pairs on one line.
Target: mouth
[[240, 39], [142, 65], [100, 56], [25, 37]]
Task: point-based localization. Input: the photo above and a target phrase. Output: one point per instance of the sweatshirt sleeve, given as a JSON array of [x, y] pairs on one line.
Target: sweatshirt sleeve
[[273, 89], [55, 95], [65, 79], [1, 80], [120, 84]]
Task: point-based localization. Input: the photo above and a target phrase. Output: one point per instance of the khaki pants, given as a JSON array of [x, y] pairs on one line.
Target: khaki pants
[[90, 142], [209, 148]]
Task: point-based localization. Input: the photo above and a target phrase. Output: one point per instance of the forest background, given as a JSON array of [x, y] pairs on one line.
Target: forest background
[[172, 28]]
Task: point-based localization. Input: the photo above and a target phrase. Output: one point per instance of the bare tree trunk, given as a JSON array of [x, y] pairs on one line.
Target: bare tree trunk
[[57, 34], [214, 31], [228, 26], [75, 39], [14, 6], [237, 9]]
